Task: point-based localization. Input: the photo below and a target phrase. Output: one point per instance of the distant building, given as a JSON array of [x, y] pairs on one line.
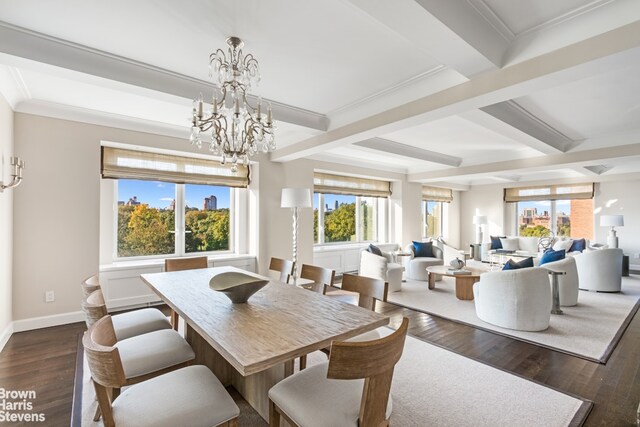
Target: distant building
[[172, 205], [210, 203], [133, 201], [336, 205], [120, 203]]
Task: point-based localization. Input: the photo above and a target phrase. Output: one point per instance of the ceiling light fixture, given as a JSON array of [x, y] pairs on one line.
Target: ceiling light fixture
[[238, 130]]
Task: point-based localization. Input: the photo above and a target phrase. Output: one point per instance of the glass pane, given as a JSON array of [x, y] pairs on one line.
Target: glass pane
[[434, 219], [339, 218], [146, 218], [367, 218], [534, 218], [206, 218], [563, 218]]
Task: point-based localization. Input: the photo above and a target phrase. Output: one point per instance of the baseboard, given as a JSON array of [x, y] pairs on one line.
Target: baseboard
[[6, 334], [47, 321]]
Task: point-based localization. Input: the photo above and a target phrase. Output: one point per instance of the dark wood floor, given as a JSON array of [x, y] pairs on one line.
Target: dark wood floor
[[44, 361]]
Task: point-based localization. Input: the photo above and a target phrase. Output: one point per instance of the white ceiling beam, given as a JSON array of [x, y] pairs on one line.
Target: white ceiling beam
[[392, 147], [576, 61], [39, 47], [544, 138], [572, 158]]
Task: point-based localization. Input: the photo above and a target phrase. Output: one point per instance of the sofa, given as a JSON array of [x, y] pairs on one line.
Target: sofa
[[416, 267], [526, 246], [381, 267], [567, 283], [514, 299], [600, 270]]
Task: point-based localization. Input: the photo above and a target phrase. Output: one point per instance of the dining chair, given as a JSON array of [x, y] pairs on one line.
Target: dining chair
[[362, 399], [190, 396], [90, 284], [283, 266], [322, 277], [126, 325], [179, 264]]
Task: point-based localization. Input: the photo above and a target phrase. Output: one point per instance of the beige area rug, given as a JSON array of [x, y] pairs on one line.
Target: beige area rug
[[590, 330], [434, 386]]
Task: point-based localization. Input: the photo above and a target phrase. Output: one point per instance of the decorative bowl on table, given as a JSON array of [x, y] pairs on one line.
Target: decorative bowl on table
[[238, 287], [457, 264]]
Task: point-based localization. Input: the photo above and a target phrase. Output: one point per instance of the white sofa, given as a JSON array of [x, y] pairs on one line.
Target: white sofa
[[567, 283], [381, 267], [514, 299], [416, 267], [600, 270], [526, 246]]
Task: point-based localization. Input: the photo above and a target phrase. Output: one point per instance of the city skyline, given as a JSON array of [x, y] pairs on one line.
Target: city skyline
[[160, 194]]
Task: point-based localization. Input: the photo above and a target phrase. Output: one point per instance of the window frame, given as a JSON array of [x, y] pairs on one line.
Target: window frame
[[553, 218], [179, 232], [379, 217]]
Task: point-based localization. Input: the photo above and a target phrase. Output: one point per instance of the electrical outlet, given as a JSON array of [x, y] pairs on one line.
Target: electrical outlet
[[49, 296]]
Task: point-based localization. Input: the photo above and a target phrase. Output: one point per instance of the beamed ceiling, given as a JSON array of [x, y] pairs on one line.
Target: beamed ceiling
[[452, 93]]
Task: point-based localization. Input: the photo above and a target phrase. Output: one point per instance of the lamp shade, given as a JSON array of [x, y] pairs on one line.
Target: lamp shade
[[480, 219], [296, 198], [611, 220]]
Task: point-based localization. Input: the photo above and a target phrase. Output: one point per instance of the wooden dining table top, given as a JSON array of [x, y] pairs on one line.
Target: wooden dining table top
[[279, 322]]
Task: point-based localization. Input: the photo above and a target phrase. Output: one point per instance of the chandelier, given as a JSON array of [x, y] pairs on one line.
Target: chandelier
[[232, 127]]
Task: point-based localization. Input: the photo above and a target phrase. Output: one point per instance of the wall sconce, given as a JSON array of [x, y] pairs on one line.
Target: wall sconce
[[16, 175]]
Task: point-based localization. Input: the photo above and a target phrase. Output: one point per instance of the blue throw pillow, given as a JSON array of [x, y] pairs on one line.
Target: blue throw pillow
[[423, 249], [512, 265], [496, 243], [551, 256], [374, 250], [578, 245]]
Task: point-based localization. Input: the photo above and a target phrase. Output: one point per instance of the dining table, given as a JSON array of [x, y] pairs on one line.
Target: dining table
[[253, 345]]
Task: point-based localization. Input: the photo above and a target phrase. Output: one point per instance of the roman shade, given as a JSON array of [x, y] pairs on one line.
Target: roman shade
[[351, 186], [549, 192], [119, 163], [436, 194]]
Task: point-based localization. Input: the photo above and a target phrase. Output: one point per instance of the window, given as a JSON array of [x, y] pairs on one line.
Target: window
[[344, 218], [160, 218], [432, 218], [567, 218]]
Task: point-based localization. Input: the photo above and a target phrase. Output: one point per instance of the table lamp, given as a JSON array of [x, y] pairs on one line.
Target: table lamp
[[479, 221], [612, 221], [295, 198]]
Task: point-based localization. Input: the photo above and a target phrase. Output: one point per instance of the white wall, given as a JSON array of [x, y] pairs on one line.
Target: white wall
[[489, 201], [623, 199], [6, 220]]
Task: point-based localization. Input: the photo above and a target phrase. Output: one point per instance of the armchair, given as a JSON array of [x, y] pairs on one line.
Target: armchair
[[600, 270], [381, 267], [416, 267]]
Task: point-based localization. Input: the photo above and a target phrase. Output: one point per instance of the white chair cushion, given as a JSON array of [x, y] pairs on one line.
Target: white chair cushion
[[151, 352], [139, 322], [510, 244], [191, 396], [312, 400]]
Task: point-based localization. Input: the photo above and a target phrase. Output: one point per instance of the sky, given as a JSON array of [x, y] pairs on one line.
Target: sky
[[330, 199], [562, 206], [160, 194]]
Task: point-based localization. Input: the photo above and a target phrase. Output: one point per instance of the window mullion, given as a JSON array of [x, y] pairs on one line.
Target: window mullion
[[320, 218], [179, 220]]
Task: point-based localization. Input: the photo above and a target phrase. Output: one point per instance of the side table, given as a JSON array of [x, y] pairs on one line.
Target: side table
[[398, 257], [476, 251], [625, 265]]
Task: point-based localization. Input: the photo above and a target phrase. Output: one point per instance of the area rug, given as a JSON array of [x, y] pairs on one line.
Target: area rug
[[590, 330], [434, 386]]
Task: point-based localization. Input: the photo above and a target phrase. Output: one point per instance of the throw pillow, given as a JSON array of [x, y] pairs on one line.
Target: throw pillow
[[509, 244], [551, 256], [374, 250], [562, 245], [423, 249], [512, 265], [496, 243], [578, 245]]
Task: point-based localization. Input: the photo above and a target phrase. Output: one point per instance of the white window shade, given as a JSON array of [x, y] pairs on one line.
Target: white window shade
[[549, 192], [351, 186], [128, 164], [436, 194]]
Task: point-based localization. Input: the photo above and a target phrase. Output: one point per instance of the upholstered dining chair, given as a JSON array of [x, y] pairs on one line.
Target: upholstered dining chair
[[362, 399], [282, 266], [323, 278], [179, 264], [90, 284], [126, 325], [191, 396]]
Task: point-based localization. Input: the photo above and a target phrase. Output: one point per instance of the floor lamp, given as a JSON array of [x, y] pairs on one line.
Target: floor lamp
[[295, 198]]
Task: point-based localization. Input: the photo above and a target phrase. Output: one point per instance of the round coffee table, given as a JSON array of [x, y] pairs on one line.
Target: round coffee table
[[464, 282]]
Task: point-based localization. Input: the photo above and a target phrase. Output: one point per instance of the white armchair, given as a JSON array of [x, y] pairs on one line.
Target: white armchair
[[381, 267], [567, 283], [600, 270], [416, 267], [514, 299]]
